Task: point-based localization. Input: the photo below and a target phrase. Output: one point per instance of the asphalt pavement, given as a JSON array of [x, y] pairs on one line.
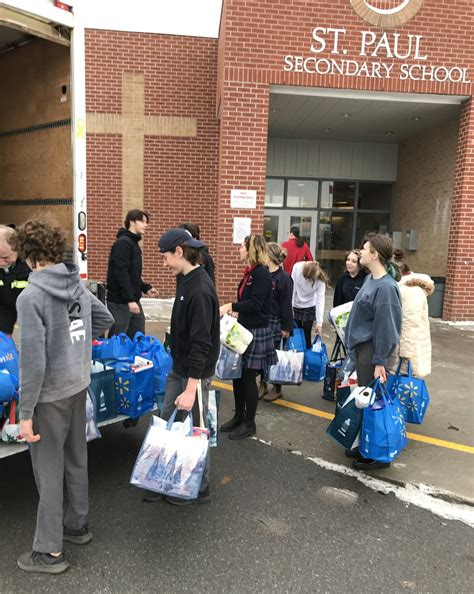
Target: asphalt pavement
[[277, 523]]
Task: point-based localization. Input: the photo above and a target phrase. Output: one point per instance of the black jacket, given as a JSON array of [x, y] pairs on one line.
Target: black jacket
[[347, 287], [255, 306], [195, 341], [208, 263], [124, 274], [12, 284], [282, 307]]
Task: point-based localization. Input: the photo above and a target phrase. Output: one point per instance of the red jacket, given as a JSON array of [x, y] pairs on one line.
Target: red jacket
[[295, 254]]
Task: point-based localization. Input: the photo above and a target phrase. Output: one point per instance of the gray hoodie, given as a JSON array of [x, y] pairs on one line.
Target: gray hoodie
[[58, 319]]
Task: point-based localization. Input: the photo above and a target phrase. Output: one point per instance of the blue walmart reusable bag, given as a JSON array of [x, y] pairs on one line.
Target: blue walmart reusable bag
[[117, 347], [315, 361], [411, 392], [297, 341], [345, 426], [8, 355], [102, 391], [134, 395], [383, 436]]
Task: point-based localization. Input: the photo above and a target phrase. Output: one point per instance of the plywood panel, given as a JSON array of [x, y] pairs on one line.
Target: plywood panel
[[19, 214]]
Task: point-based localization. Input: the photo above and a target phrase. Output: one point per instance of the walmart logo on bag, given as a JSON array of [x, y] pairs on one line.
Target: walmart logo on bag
[[122, 386]]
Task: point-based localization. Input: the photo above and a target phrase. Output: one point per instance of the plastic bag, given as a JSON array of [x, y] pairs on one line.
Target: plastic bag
[[92, 430], [229, 364], [233, 335], [288, 370]]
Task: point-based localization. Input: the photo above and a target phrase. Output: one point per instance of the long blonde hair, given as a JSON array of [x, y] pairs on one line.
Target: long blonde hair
[[256, 247], [312, 272]]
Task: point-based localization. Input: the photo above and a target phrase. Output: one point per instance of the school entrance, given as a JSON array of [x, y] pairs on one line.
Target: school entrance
[[344, 163]]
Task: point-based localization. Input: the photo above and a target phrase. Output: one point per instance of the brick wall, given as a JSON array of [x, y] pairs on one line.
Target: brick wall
[[258, 36], [422, 200], [180, 174], [459, 300]]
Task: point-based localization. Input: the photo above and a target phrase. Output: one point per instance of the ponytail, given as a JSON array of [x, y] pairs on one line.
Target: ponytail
[[393, 270]]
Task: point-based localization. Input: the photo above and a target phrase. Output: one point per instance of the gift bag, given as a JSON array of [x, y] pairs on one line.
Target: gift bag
[[134, 387], [315, 361], [383, 436], [102, 391], [172, 458], [213, 417], [92, 431], [331, 381], [8, 355], [345, 426], [411, 392], [297, 341], [117, 347], [229, 364], [288, 370], [233, 335]]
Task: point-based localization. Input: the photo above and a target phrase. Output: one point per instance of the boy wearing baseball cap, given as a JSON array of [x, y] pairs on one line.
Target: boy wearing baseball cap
[[194, 336]]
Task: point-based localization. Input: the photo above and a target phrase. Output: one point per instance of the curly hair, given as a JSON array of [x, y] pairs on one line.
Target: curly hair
[[256, 247], [39, 240]]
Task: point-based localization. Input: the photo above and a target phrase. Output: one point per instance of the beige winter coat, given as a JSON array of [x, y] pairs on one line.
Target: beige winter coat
[[415, 339]]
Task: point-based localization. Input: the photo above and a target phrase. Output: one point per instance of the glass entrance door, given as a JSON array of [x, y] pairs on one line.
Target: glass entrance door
[[277, 225]]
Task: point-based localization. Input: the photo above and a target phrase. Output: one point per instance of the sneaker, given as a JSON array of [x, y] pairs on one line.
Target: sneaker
[[152, 497], [203, 497], [79, 537], [273, 394], [35, 562], [368, 464]]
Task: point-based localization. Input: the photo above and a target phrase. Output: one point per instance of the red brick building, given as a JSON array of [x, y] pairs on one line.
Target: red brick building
[[343, 117]]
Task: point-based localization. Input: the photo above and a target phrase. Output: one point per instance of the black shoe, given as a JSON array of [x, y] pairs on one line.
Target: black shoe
[[152, 497], [79, 537], [130, 423], [203, 497], [355, 453], [35, 562], [246, 429], [368, 464], [235, 421]]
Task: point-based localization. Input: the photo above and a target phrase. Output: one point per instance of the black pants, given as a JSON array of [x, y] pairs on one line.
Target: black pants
[[307, 326], [246, 394], [125, 321], [364, 366]]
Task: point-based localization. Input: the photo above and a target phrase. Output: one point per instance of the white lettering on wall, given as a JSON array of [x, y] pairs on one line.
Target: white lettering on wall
[[385, 45]]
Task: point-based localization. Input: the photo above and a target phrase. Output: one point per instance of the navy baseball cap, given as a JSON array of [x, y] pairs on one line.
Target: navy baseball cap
[[170, 240]]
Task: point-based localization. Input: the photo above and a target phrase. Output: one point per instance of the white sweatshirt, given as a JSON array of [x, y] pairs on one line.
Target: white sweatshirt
[[306, 294]]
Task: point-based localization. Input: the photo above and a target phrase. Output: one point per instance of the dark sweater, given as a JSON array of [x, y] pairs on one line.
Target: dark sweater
[[376, 315], [282, 307], [195, 328], [255, 305], [124, 274], [208, 263], [347, 288], [12, 284]]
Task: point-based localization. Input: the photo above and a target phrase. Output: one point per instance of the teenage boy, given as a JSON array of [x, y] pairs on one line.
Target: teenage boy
[[194, 337], [124, 276], [58, 319]]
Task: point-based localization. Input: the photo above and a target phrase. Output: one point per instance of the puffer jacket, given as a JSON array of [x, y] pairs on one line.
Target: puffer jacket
[[415, 338]]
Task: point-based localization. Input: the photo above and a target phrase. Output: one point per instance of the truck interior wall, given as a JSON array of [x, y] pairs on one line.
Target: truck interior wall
[[35, 134]]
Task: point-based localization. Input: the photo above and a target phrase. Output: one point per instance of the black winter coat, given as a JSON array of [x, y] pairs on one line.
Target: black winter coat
[[255, 305], [12, 284], [124, 274]]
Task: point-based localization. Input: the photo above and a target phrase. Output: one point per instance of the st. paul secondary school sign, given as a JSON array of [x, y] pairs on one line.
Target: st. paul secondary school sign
[[390, 50]]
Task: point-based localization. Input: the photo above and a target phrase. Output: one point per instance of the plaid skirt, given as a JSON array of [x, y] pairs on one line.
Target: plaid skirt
[[305, 314], [274, 323], [260, 353]]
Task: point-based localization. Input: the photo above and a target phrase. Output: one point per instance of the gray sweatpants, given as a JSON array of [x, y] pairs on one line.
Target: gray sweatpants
[[125, 321], [175, 385], [60, 455]]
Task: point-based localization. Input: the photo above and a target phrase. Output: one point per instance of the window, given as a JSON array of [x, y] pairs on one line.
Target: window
[[302, 194], [373, 196], [371, 222], [335, 194], [274, 192]]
